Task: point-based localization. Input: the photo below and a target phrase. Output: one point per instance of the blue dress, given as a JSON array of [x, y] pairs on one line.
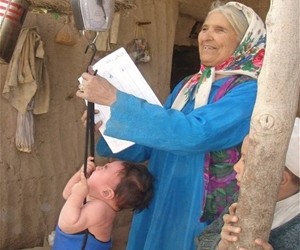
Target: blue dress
[[174, 143]]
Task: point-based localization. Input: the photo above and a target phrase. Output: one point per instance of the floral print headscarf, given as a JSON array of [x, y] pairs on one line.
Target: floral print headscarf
[[247, 60]]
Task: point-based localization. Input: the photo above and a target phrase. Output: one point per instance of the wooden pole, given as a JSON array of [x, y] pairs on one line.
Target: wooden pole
[[271, 124]]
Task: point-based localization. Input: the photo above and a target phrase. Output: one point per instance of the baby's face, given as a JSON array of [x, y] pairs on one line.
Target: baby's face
[[107, 174], [239, 167]]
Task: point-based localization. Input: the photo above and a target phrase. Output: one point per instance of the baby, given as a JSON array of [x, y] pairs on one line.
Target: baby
[[110, 188]]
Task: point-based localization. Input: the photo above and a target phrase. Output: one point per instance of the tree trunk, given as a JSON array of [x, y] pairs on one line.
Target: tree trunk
[[271, 124]]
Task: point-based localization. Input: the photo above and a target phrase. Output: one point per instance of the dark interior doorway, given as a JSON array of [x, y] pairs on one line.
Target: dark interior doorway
[[185, 62]]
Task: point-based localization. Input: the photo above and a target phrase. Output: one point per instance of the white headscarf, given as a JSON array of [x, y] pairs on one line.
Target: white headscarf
[[288, 208], [292, 161]]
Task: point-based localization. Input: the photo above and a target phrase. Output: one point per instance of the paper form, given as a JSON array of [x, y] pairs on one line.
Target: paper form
[[119, 69]]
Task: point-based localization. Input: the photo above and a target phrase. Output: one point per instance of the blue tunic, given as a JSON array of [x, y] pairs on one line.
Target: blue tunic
[[175, 143]]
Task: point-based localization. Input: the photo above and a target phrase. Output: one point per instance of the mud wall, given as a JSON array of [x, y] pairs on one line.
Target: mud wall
[[31, 183]]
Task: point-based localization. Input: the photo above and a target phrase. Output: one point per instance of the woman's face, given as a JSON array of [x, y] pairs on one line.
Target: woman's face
[[239, 167], [217, 40]]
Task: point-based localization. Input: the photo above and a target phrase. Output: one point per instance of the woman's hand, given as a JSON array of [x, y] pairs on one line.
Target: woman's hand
[[229, 232], [97, 89]]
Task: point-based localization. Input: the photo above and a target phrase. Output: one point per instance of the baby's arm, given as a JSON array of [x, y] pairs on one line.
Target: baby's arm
[[71, 211], [230, 233], [76, 177]]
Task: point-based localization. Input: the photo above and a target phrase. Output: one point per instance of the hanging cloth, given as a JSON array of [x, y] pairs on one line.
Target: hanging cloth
[[27, 75], [27, 85], [138, 48]]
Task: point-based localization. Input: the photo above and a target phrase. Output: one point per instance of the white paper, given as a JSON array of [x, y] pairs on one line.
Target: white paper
[[120, 70]]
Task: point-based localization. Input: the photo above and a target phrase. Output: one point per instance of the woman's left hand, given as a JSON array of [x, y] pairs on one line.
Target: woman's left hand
[[97, 89]]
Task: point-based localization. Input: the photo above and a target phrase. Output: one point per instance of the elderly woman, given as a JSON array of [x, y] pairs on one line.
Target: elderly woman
[[192, 142]]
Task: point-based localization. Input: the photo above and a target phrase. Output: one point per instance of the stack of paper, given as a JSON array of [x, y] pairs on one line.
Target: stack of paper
[[120, 70]]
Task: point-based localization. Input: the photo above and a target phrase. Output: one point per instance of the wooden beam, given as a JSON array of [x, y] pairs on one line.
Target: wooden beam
[[271, 124]]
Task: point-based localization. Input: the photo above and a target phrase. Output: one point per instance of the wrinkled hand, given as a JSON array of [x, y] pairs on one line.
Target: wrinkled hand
[[84, 120], [96, 89], [81, 188], [229, 232]]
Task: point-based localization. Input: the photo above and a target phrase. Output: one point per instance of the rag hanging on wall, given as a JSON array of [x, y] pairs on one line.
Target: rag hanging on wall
[[92, 15], [138, 48], [107, 40], [27, 85]]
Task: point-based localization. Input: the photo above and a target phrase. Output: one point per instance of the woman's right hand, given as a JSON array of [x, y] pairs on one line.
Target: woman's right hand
[[97, 89], [84, 120]]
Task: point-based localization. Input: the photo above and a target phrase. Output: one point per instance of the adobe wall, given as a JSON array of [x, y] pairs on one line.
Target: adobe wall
[[31, 183]]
